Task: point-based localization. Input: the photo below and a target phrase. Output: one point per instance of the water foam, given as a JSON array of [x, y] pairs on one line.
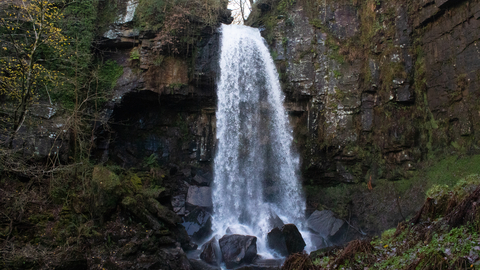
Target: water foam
[[256, 167]]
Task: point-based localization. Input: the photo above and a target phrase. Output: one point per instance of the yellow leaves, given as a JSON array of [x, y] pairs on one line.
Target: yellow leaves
[[35, 22]]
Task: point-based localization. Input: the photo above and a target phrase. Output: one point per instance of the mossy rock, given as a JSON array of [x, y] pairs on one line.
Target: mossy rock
[[106, 190], [162, 213], [104, 179]]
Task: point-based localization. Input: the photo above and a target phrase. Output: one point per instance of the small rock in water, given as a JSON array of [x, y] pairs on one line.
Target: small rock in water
[[238, 249], [286, 241], [211, 252]]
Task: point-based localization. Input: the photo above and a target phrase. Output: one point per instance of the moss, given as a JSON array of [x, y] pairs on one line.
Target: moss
[[448, 170], [135, 54], [105, 179], [388, 234], [136, 181], [129, 201]]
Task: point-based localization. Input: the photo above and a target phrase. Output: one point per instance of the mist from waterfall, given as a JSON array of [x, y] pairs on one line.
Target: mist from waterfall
[[256, 167]]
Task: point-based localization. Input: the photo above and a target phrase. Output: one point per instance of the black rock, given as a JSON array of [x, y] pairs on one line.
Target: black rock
[[276, 241], [183, 238], [198, 224], [293, 239], [238, 249], [286, 241], [211, 252]]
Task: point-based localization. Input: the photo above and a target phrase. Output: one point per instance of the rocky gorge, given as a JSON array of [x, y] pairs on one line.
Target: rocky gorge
[[377, 92]]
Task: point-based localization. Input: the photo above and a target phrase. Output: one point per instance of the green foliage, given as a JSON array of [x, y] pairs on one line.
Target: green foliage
[[284, 5], [135, 54], [388, 234], [442, 251], [136, 181], [156, 14], [337, 74], [448, 170], [108, 74], [334, 53], [151, 161], [150, 14]]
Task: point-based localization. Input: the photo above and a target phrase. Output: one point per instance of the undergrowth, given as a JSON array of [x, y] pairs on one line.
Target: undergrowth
[[444, 234]]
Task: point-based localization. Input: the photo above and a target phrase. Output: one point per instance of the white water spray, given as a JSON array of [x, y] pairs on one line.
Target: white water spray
[[256, 169]]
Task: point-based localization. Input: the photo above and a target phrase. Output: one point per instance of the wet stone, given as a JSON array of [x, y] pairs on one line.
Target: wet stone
[[238, 250]]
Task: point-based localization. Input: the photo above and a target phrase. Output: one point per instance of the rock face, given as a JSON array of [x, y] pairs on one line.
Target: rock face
[[238, 249], [286, 241], [370, 103]]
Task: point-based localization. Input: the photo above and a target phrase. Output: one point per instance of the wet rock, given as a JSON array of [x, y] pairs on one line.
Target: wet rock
[[199, 196], [199, 180], [276, 241], [183, 238], [293, 239], [238, 249], [286, 241], [211, 252], [198, 224], [178, 204]]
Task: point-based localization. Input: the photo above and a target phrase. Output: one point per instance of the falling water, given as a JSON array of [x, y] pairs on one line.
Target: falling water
[[256, 169]]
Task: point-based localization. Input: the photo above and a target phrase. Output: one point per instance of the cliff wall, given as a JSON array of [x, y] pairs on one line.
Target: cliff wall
[[373, 89]]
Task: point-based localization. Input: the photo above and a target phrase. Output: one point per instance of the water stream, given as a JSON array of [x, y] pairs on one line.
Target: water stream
[[256, 168]]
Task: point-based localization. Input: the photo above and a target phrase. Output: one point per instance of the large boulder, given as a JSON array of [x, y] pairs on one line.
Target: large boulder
[[286, 241], [326, 228], [238, 249], [211, 252], [198, 224], [325, 223], [199, 196], [276, 241]]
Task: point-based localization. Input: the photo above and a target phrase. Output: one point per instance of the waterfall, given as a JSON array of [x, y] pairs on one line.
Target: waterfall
[[256, 170]]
